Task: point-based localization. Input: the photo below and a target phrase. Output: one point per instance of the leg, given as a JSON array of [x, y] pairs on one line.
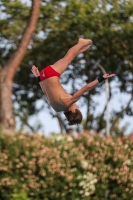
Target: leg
[[61, 65]]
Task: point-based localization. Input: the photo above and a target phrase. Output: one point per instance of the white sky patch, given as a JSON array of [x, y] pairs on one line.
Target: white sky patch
[[27, 2]]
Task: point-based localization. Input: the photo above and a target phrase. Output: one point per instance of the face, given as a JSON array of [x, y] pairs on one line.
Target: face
[[73, 108]]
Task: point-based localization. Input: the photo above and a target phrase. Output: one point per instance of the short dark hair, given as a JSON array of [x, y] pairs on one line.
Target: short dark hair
[[73, 117]]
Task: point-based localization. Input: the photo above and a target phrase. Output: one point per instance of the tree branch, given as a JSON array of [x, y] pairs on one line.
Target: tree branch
[[119, 115], [14, 61]]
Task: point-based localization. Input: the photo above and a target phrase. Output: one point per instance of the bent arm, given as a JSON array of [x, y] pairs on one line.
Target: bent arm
[[86, 88], [36, 73], [42, 87]]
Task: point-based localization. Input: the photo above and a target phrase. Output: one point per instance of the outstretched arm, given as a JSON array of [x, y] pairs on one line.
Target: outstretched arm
[[36, 73], [89, 86]]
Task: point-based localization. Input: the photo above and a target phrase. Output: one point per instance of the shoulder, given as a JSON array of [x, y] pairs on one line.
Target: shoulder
[[66, 100]]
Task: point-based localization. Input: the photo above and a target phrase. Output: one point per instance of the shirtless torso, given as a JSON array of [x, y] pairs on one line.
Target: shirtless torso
[[58, 98]]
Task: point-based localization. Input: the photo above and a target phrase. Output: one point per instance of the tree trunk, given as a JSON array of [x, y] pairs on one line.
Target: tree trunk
[[7, 73], [6, 112]]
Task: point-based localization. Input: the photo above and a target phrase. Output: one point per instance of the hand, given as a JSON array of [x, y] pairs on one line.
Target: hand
[[35, 71], [108, 75]]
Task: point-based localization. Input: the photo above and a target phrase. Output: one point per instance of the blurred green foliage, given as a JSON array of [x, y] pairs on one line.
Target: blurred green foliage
[[108, 23], [65, 167], [20, 196]]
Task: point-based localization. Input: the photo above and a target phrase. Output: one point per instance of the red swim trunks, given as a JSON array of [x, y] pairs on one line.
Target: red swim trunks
[[48, 72]]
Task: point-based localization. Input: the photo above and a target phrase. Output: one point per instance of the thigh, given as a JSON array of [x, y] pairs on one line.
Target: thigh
[[61, 65]]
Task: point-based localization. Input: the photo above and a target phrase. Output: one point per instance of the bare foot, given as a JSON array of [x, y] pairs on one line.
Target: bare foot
[[85, 42], [84, 48], [35, 71]]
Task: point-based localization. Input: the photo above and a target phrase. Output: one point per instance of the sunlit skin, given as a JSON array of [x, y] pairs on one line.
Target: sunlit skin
[[58, 98]]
